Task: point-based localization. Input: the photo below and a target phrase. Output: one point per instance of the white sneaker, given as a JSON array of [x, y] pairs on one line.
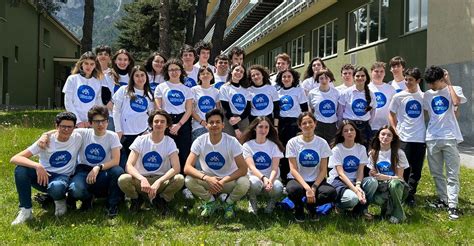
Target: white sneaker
[[270, 206], [394, 220], [60, 207], [23, 215], [253, 206], [223, 196], [188, 195]]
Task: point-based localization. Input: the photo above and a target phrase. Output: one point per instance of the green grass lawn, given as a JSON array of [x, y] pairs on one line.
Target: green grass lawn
[[424, 226]]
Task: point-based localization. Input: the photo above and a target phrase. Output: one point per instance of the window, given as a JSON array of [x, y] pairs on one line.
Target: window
[[367, 24], [46, 37], [44, 64], [325, 40], [3, 7], [260, 60], [271, 58], [16, 53], [297, 51], [416, 15]]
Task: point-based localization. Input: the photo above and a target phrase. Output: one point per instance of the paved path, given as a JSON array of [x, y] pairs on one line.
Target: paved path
[[467, 155]]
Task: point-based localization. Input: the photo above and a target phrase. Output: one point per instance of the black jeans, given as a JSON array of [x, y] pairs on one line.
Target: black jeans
[[326, 131], [287, 129], [415, 153], [183, 139], [325, 193]]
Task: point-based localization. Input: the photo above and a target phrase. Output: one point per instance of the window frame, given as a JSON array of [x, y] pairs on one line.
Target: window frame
[[271, 58], [406, 16], [315, 40], [294, 57]]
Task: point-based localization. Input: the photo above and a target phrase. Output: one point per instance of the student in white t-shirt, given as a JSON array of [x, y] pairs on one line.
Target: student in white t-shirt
[[308, 157], [323, 102], [282, 63], [153, 166], [383, 95], [442, 137], [313, 68], [348, 160], [188, 56], [264, 98], [397, 67], [407, 116], [132, 104], [222, 70], [347, 75], [236, 55], [104, 55], [82, 89], [52, 173], [262, 153], [387, 163], [154, 67], [223, 167], [203, 50], [122, 64]]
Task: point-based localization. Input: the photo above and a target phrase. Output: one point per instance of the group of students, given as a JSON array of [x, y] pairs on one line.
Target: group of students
[[233, 132]]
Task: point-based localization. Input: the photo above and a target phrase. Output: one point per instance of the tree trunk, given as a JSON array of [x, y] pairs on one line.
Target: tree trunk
[[200, 25], [191, 14], [219, 30], [86, 41], [165, 41]]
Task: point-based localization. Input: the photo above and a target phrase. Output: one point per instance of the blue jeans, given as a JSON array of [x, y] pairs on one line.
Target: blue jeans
[[105, 185], [111, 125], [25, 178]]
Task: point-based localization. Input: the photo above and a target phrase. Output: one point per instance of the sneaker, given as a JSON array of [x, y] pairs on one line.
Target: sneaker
[[112, 211], [188, 195], [229, 211], [270, 206], [410, 201], [284, 192], [253, 205], [71, 203], [299, 215], [60, 207], [43, 199], [23, 215], [394, 220], [223, 197], [367, 216], [136, 204], [313, 217], [453, 213], [86, 205], [437, 204], [160, 204], [208, 209]]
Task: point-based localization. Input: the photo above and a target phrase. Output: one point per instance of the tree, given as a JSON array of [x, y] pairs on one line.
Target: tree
[[190, 15], [200, 25], [165, 41], [49, 6], [219, 29], [87, 27]]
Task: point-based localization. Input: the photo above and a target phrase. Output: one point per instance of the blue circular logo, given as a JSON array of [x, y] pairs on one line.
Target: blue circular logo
[[413, 109], [206, 104], [219, 84], [439, 104], [121, 83], [60, 158], [239, 102], [384, 168], [140, 104], [152, 161], [95, 153], [189, 82], [175, 97], [358, 107], [286, 103], [308, 158], [262, 160], [215, 160], [260, 101], [153, 86], [327, 108], [85, 93], [381, 99], [350, 164], [398, 90]]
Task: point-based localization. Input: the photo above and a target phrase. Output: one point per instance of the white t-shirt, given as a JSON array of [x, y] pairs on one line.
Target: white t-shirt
[[410, 117], [354, 102], [123, 81], [399, 86], [192, 78], [213, 69], [309, 84], [324, 104], [442, 123], [205, 100], [349, 159], [131, 116], [217, 160], [262, 155], [341, 88], [383, 95], [262, 99], [81, 94], [384, 162], [236, 96], [155, 81], [173, 97], [290, 100], [219, 80], [96, 150], [59, 157], [153, 158], [308, 155]]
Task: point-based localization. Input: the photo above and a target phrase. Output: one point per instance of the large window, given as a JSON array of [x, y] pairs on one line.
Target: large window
[[271, 58], [46, 37], [297, 51], [260, 60], [367, 24], [325, 40], [416, 15]]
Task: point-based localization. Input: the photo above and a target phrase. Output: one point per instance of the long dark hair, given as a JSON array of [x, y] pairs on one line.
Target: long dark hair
[[272, 135], [115, 68], [340, 138], [263, 71], [309, 70], [96, 73], [368, 98], [178, 63], [243, 81], [394, 147], [294, 74], [149, 62], [131, 84]]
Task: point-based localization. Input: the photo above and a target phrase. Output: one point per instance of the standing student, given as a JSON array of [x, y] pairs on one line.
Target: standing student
[[397, 67], [313, 68], [308, 157], [153, 166], [188, 56], [122, 64], [82, 89], [282, 63], [52, 172], [386, 163], [154, 67], [223, 167], [406, 115], [236, 55], [104, 55], [132, 104], [323, 101], [293, 102], [264, 98], [234, 98], [262, 153], [203, 50], [383, 95], [347, 75], [177, 100], [442, 137], [222, 70]]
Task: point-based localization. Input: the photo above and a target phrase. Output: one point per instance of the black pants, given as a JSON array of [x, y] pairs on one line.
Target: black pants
[[183, 139], [325, 193], [287, 129], [126, 141], [365, 132], [415, 153], [326, 131]]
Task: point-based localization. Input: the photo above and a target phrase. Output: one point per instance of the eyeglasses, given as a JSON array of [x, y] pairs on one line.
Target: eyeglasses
[[174, 70], [98, 122], [63, 127]]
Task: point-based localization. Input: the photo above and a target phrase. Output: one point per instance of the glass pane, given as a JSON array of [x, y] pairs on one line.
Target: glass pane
[[293, 52], [352, 30], [412, 12], [315, 43], [334, 40], [374, 21], [321, 42], [384, 18], [362, 25], [329, 39], [300, 50], [424, 13]]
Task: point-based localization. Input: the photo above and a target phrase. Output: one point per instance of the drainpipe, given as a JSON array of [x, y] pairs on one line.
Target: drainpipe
[[38, 60]]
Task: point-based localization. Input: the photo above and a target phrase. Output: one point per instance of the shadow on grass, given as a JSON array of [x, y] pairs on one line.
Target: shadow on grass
[[29, 119]]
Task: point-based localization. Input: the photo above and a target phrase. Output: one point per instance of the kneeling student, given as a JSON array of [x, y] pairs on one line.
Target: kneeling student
[[223, 167], [153, 166]]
